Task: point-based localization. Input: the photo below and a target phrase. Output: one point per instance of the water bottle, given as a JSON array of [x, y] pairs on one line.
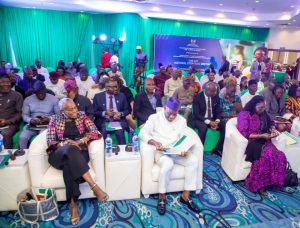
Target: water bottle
[[135, 143], [108, 145], [1, 143]]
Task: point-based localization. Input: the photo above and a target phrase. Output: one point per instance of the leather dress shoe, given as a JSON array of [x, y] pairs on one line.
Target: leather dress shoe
[[190, 204], [161, 206]]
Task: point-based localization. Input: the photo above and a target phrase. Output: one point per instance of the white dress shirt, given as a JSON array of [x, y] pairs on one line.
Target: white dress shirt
[[58, 88], [84, 86], [246, 98], [207, 121]]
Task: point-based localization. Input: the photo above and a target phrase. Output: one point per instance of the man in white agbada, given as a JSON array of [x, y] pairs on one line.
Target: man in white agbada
[[161, 130]]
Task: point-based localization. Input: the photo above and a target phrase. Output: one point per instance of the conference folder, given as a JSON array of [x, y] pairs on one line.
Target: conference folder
[[179, 146]]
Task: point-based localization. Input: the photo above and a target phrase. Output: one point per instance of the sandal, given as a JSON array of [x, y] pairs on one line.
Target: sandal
[[74, 220], [102, 199]]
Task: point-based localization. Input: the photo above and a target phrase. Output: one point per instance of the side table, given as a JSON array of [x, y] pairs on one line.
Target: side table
[[14, 178], [123, 175]]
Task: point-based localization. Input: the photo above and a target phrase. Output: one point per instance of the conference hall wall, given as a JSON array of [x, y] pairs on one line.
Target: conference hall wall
[[54, 35]]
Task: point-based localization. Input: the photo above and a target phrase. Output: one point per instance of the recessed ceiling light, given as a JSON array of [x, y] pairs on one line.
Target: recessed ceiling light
[[189, 12], [294, 20], [155, 8], [289, 23], [220, 4], [251, 18], [184, 0], [220, 15], [292, 6], [257, 1], [267, 24], [51, 3], [285, 17]]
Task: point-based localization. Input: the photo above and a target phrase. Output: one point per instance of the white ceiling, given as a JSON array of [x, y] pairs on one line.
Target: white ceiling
[[256, 13]]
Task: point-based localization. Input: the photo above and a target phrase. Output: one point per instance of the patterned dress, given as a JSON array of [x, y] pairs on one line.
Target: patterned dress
[[292, 105], [270, 168]]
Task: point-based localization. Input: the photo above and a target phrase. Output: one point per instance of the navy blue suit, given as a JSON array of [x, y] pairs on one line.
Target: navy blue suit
[[99, 105], [142, 108]]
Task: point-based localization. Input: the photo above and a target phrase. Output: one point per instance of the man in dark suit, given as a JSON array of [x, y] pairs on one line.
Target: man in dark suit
[[206, 106], [110, 110], [225, 64], [145, 104]]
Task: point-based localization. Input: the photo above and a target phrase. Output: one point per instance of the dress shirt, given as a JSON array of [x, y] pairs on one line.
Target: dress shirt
[[34, 107], [171, 85], [207, 121], [42, 70], [246, 98], [114, 59], [152, 100], [57, 88], [84, 86]]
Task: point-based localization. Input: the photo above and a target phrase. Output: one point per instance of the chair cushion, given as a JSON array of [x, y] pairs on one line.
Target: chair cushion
[[53, 178], [177, 172]]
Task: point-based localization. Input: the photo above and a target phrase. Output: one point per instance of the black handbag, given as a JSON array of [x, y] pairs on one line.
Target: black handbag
[[291, 178]]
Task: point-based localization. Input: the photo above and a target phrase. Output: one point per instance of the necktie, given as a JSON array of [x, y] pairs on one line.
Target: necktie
[[209, 113], [111, 107]]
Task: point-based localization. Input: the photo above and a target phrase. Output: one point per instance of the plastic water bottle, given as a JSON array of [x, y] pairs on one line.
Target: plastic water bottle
[[135, 143], [108, 145], [1, 143]]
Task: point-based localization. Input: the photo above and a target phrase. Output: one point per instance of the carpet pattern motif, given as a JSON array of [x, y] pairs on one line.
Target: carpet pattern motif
[[222, 204]]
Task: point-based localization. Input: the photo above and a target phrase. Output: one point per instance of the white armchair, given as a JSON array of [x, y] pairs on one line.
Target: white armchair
[[44, 175], [233, 156], [150, 170], [296, 127]]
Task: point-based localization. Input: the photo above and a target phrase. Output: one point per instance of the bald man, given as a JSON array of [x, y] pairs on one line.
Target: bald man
[[206, 110], [145, 103]]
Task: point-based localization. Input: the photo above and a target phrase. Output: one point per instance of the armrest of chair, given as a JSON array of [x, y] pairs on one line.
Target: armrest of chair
[[147, 156], [96, 154], [235, 145], [38, 159]]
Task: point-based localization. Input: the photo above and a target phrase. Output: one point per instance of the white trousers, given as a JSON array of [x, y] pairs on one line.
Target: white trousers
[[166, 164]]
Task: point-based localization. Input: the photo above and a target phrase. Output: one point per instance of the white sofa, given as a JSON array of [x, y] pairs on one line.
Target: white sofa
[[44, 175], [150, 171], [296, 126], [233, 157]]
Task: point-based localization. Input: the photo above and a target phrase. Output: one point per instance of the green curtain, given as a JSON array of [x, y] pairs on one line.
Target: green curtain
[[54, 35]]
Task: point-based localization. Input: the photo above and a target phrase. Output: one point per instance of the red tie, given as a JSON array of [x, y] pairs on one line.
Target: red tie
[[111, 107]]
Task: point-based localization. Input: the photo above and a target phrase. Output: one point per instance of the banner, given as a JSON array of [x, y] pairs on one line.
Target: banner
[[184, 51]]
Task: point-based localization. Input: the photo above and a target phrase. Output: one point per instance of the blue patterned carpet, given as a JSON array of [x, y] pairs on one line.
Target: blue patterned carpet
[[222, 203]]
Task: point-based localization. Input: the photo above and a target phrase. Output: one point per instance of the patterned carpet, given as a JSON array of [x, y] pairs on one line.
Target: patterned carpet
[[222, 203]]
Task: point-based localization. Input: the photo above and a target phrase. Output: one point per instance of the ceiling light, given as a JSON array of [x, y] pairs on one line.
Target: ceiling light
[[184, 0], [220, 15], [289, 23], [220, 4], [267, 24], [51, 3], [292, 6], [285, 17], [257, 1], [251, 18], [189, 12], [294, 20], [155, 8]]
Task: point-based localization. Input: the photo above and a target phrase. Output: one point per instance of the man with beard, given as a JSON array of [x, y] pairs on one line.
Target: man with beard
[[11, 103]]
